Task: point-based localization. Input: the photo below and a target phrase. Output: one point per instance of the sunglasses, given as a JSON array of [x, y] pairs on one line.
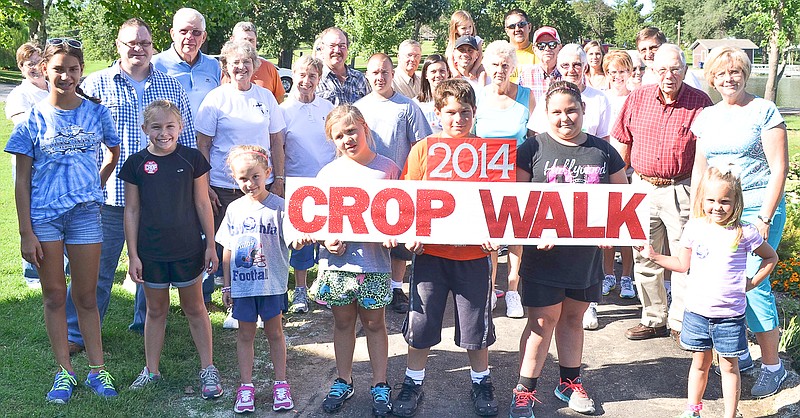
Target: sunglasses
[[542, 45], [520, 25], [71, 42]]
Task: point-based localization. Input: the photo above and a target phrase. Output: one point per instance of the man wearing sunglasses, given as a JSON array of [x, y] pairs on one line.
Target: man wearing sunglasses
[[538, 77], [126, 88], [197, 72], [518, 30], [648, 40]]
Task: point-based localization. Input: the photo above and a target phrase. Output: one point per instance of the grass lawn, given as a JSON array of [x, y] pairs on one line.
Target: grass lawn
[[793, 133]]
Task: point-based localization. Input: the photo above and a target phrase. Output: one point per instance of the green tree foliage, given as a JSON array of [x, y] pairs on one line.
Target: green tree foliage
[[666, 14], [33, 12], [423, 12], [85, 21], [628, 22], [374, 25], [597, 18]]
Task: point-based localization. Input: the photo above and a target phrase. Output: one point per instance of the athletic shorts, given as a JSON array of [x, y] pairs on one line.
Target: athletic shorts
[[537, 295], [401, 253], [79, 225], [432, 280], [304, 258], [248, 309], [728, 336], [181, 273], [368, 290]]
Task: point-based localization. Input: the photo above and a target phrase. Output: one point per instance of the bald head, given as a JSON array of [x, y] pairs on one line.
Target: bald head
[[380, 73]]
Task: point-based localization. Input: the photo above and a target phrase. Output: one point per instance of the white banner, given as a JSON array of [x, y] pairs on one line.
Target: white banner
[[447, 212]]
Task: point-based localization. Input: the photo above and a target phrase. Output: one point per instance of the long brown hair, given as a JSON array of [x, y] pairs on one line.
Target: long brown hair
[[51, 50]]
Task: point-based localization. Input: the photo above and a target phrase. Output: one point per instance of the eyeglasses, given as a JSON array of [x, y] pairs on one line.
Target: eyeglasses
[[674, 71], [736, 74], [542, 45], [134, 44], [567, 65], [32, 64], [334, 46], [613, 73], [71, 42], [195, 32], [520, 25]]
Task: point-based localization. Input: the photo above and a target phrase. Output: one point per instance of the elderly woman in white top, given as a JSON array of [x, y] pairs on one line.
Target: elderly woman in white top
[[307, 151], [749, 132]]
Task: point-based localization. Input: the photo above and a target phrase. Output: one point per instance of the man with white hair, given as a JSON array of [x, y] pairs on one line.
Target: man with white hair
[[266, 75], [407, 80], [654, 127], [197, 72]]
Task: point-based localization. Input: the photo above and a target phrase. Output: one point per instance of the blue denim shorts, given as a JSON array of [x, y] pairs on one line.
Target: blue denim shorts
[[728, 336], [248, 309], [79, 225]]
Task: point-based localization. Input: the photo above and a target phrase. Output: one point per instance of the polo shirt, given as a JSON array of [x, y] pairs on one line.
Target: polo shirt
[[659, 134], [197, 79]]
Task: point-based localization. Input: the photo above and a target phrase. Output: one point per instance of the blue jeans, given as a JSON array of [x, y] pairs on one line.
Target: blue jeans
[[110, 250]]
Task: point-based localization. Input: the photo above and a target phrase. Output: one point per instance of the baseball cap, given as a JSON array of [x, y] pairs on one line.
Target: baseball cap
[[467, 40], [546, 30]]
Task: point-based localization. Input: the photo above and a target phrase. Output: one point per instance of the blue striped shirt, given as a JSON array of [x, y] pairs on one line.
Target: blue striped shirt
[[117, 94], [65, 147]]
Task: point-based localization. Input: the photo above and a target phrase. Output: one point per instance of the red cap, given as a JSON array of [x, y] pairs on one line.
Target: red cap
[[546, 30]]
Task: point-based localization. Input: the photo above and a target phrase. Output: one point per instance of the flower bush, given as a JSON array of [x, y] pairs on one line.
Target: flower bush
[[786, 276]]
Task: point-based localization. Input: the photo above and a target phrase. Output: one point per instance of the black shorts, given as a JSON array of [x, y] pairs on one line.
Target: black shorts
[[401, 253], [432, 280], [181, 273], [537, 295]]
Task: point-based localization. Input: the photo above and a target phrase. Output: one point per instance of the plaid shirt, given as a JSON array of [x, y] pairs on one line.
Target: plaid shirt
[[538, 80], [659, 135], [117, 94], [355, 86]]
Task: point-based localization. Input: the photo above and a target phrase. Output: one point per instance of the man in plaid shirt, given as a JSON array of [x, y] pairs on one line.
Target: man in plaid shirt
[[654, 127], [339, 83], [538, 77], [126, 88]]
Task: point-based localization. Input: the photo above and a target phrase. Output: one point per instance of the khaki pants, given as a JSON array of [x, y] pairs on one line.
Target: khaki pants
[[669, 211]]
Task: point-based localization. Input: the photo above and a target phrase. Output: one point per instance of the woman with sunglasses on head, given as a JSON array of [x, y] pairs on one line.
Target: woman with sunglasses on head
[[58, 197]]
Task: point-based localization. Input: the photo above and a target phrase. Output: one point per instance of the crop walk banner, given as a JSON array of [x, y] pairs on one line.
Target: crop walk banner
[[456, 212]]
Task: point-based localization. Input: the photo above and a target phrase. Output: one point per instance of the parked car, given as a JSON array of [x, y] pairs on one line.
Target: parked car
[[286, 78]]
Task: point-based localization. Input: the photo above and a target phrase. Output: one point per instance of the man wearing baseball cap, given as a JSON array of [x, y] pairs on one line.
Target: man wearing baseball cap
[[518, 30], [546, 43], [465, 56]]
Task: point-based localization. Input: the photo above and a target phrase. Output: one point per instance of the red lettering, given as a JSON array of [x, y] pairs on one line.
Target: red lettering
[[378, 211], [550, 203], [354, 212], [580, 214], [509, 208], [295, 209], [426, 212], [619, 215]]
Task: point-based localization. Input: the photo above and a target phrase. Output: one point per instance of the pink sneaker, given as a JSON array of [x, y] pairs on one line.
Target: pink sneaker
[[245, 399], [281, 397]]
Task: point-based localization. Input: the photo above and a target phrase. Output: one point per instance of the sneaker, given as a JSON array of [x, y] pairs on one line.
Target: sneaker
[[499, 293], [626, 289], [503, 250], [609, 283], [62, 388], [689, 414], [209, 383], [590, 317], [340, 392], [381, 400], [245, 399], [101, 383], [299, 301], [494, 300], [483, 398], [399, 301], [281, 397], [409, 398], [514, 307], [230, 322], [572, 392], [145, 378], [768, 383], [522, 404]]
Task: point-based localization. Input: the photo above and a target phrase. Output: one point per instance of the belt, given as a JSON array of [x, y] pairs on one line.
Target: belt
[[658, 181]]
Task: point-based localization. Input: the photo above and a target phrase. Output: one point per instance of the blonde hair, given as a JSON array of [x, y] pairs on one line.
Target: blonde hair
[[728, 177], [617, 57], [232, 48], [255, 153], [347, 114], [723, 57], [158, 106], [459, 18], [26, 50]]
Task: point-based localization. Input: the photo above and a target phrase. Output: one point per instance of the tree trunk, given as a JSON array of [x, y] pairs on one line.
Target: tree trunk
[[771, 90], [415, 34], [37, 28], [285, 58]]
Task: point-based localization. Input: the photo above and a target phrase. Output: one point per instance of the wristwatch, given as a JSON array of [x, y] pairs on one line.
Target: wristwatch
[[765, 219]]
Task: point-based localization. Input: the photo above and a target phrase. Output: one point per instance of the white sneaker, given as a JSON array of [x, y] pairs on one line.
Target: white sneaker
[[514, 307], [626, 289], [230, 322], [33, 283], [590, 317], [494, 301]]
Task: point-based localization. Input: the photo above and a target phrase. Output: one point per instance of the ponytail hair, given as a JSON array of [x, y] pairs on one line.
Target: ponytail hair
[[66, 47]]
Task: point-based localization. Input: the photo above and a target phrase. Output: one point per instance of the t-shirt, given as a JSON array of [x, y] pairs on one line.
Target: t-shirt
[[21, 99], [549, 161], [232, 117], [253, 233], [65, 147], [396, 124], [359, 257], [169, 228], [716, 284], [416, 168], [596, 120], [732, 134], [510, 122], [430, 115], [306, 146], [525, 60], [265, 76]]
